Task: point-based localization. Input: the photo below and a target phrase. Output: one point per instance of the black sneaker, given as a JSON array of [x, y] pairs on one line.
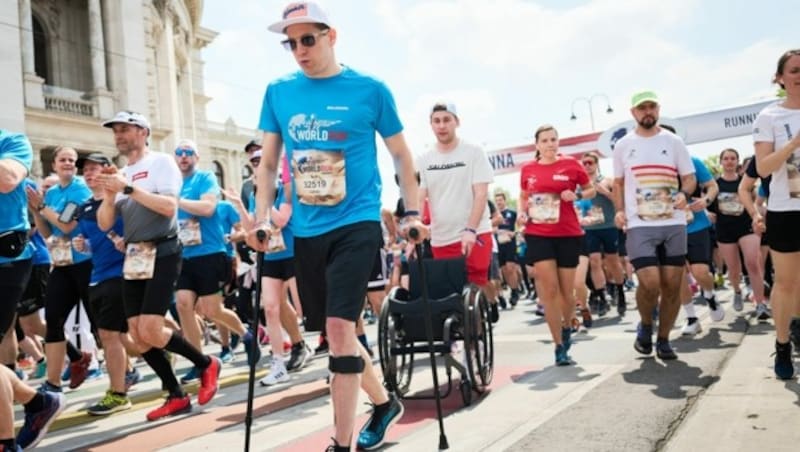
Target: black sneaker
[[622, 304], [322, 348], [300, 354], [664, 351], [501, 300], [494, 314], [602, 306], [593, 304], [784, 367], [514, 297], [794, 332], [644, 339]]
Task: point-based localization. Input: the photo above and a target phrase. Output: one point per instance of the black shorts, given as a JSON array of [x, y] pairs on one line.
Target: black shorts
[[66, 287], [108, 309], [565, 250], [33, 298], [205, 275], [621, 241], [781, 227], [13, 279], [712, 236], [507, 252], [731, 232], [333, 270], [282, 269], [602, 240], [153, 296], [380, 273], [698, 247]]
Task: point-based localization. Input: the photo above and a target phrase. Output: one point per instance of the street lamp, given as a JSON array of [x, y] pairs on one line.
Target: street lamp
[[589, 101]]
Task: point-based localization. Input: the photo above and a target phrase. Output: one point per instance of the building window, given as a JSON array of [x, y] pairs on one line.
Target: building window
[[40, 51], [220, 173]]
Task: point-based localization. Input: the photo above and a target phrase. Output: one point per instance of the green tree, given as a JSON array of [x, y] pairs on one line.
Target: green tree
[[712, 163]]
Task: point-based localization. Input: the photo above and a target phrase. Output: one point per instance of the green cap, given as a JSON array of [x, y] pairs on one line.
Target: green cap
[[642, 97]]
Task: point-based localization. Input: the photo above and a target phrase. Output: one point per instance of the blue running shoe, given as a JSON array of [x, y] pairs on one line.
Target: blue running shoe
[[566, 338], [226, 356], [131, 378], [46, 386], [37, 423], [644, 339], [784, 367], [191, 376], [664, 351], [253, 353], [562, 358], [373, 434], [66, 375]]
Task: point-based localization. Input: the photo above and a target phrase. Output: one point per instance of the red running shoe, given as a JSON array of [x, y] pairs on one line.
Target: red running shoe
[[174, 405], [208, 381], [79, 370]]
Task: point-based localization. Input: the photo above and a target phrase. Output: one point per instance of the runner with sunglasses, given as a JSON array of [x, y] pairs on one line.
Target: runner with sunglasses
[[326, 116], [145, 194]]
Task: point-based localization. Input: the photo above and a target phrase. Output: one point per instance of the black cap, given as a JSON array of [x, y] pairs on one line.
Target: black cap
[[250, 144], [95, 157]]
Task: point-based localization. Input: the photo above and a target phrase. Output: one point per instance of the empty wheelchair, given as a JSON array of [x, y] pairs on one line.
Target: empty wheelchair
[[462, 330]]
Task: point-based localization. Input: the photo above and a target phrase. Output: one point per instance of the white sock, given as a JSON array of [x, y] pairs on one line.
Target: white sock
[[708, 293], [689, 310]]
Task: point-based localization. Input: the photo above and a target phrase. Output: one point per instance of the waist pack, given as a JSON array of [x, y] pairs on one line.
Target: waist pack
[[12, 243]]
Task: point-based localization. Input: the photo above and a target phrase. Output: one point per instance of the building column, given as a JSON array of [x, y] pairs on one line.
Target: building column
[[34, 96], [97, 55]]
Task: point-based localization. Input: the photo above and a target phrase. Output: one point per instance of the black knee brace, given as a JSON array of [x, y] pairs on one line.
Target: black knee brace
[[346, 364]]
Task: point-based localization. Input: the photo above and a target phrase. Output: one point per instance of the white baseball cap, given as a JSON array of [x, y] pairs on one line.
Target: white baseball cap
[[300, 13], [129, 117]]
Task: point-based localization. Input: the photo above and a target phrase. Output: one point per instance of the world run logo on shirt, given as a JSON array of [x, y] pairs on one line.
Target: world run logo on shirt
[[309, 128]]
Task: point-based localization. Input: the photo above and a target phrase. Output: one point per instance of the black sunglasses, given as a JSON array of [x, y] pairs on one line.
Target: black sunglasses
[[308, 40]]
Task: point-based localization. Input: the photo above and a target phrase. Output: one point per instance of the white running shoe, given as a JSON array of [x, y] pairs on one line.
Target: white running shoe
[[691, 328], [277, 374], [716, 311]]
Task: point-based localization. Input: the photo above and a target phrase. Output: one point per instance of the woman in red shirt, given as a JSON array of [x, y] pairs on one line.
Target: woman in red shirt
[[552, 232]]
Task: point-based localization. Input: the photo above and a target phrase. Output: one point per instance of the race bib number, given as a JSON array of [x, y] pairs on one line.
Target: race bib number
[[60, 250], [275, 243], [319, 177], [140, 261], [729, 204], [189, 232], [654, 204], [544, 208], [595, 216]]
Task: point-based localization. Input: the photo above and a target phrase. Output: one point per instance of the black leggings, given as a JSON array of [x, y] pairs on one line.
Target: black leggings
[[13, 280], [66, 287]]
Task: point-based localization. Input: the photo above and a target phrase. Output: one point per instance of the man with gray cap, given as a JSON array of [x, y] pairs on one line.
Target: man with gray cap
[[145, 193], [653, 178], [326, 116], [205, 268]]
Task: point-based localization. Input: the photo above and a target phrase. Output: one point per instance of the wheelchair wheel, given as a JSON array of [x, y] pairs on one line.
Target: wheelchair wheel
[[396, 368], [479, 340]]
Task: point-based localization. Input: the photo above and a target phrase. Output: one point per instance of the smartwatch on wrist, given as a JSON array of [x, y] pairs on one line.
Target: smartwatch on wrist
[[128, 189]]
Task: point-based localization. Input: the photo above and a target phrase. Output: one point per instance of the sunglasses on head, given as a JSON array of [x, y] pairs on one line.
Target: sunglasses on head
[[588, 162], [184, 152], [307, 40]]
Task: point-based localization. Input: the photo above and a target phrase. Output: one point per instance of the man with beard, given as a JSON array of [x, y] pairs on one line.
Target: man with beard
[[145, 193], [653, 178]]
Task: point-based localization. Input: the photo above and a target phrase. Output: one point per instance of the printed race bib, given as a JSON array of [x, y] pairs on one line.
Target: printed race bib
[[729, 204], [504, 236], [140, 261], [275, 243], [319, 177], [544, 208], [654, 203], [793, 176], [189, 232], [595, 216], [689, 216], [60, 251]]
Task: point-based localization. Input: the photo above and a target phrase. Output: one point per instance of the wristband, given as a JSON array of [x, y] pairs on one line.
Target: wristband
[[411, 213], [40, 207], [471, 230]]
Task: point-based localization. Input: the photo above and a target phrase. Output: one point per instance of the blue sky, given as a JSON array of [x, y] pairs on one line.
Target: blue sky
[[512, 65]]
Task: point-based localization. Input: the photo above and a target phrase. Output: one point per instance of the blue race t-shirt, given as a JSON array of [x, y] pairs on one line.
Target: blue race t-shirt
[[703, 176], [106, 259], [211, 234], [41, 255], [328, 125], [57, 198], [14, 205], [228, 216]]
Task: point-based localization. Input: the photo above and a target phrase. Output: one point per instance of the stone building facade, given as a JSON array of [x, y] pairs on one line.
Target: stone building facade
[[70, 64]]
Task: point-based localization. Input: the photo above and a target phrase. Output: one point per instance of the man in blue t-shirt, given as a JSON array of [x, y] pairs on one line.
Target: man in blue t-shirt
[[206, 267], [326, 116], [16, 156]]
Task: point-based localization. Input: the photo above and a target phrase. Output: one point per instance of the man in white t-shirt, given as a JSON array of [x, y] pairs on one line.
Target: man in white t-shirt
[[455, 178], [653, 172]]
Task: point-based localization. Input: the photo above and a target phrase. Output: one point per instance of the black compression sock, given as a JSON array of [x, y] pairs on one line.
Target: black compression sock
[[73, 353], [158, 361], [177, 344], [35, 404]]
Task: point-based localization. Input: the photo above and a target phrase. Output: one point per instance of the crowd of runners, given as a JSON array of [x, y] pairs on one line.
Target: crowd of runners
[[157, 256]]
